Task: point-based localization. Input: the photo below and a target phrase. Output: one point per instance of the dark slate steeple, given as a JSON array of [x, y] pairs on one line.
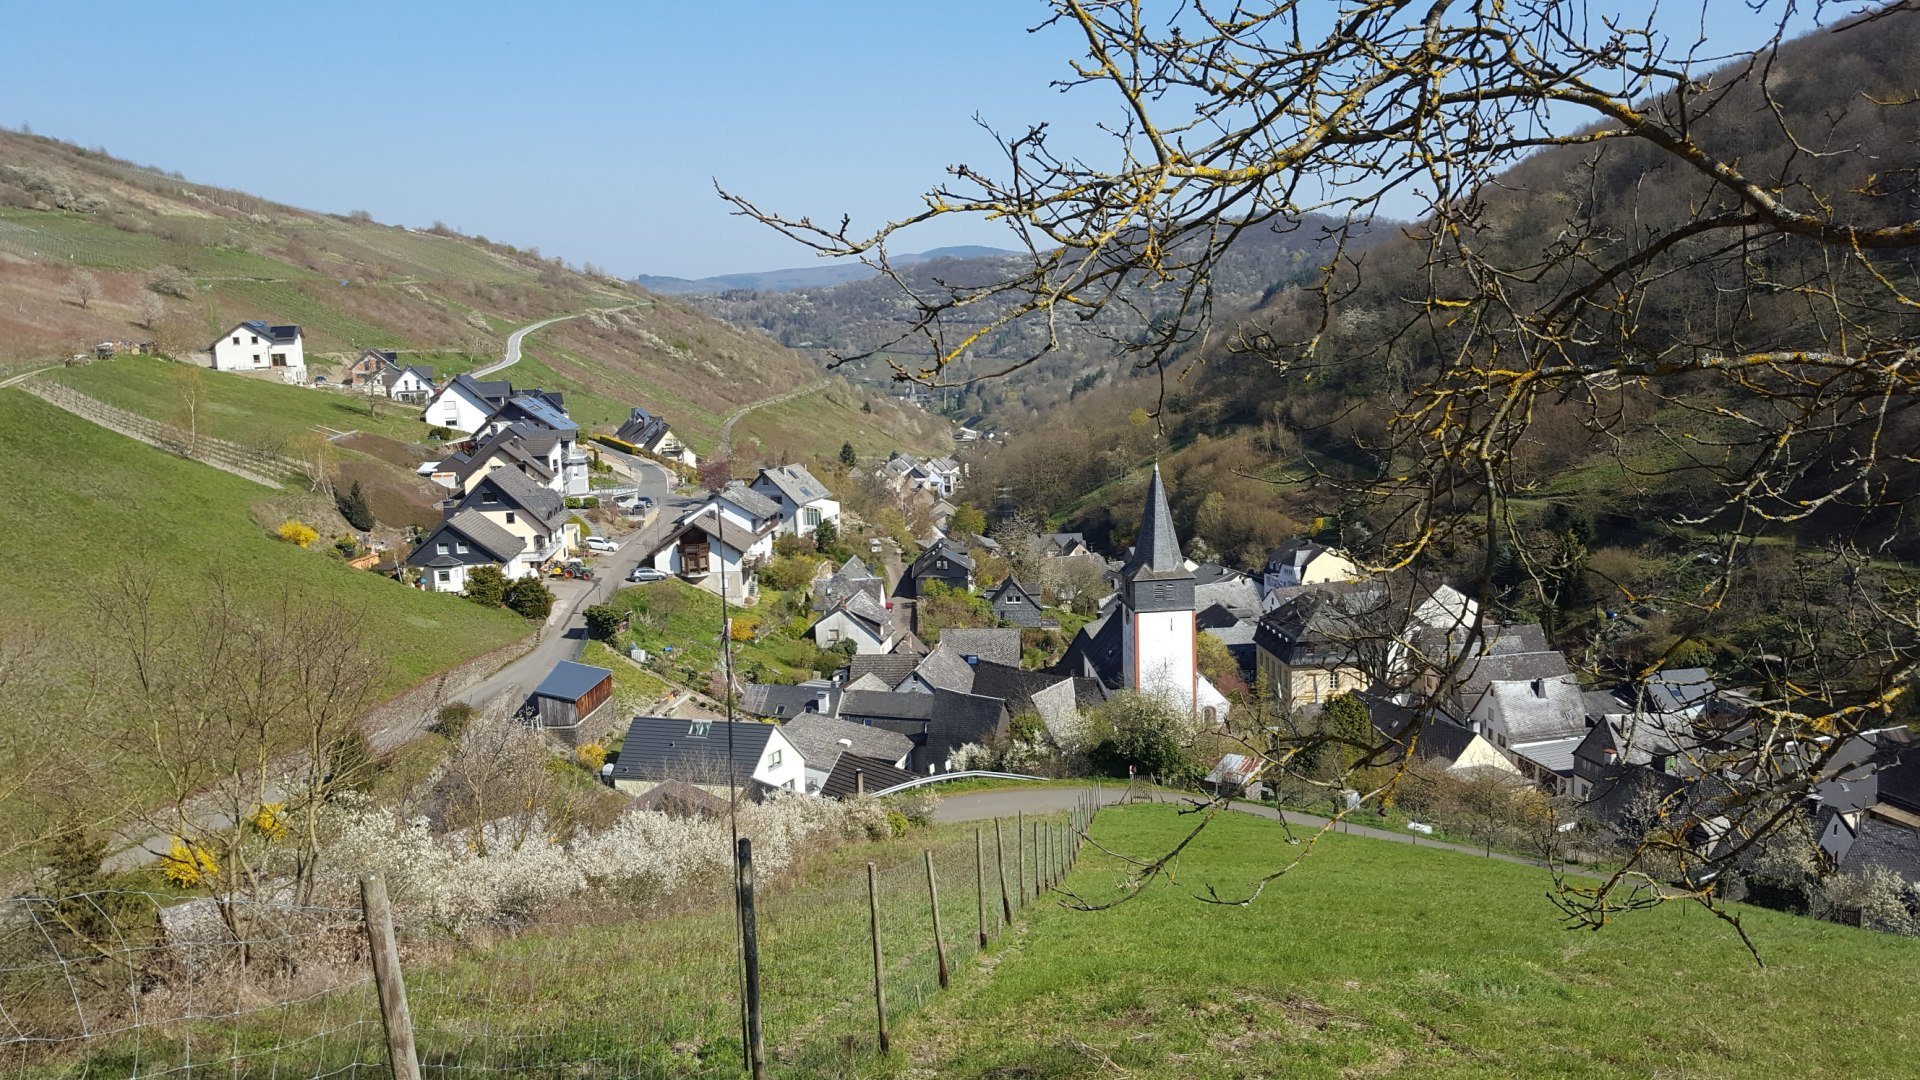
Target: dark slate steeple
[[1156, 578]]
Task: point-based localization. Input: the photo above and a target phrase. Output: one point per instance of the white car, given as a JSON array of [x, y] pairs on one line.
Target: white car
[[601, 543]]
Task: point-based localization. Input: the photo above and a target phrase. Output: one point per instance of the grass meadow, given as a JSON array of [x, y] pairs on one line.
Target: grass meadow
[[1384, 959]]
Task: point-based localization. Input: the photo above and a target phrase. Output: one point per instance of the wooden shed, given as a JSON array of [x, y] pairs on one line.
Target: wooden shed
[[570, 694]]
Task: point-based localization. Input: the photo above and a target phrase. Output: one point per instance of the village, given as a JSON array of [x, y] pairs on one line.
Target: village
[[969, 649]]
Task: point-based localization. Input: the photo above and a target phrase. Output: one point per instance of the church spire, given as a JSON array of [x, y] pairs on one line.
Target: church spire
[[1156, 550]]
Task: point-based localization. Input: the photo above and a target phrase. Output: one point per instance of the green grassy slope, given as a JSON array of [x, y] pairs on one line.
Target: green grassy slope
[[85, 504], [1376, 958]]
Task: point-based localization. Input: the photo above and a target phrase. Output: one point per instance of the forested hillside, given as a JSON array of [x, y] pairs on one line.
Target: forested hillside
[[992, 386]]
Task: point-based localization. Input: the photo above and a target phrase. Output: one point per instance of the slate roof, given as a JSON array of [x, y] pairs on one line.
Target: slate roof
[[891, 668], [785, 702], [946, 667], [1095, 652], [1554, 755], [1001, 646], [642, 429], [1537, 709], [677, 798], [490, 543], [1677, 689], [818, 739], [1063, 541], [715, 525], [1318, 627], [494, 392], [1013, 685], [1228, 588], [275, 335], [1885, 844], [666, 748], [939, 723], [505, 444], [796, 483], [1293, 555], [759, 506], [1479, 673], [519, 491], [1156, 549], [570, 681], [940, 547], [853, 771]]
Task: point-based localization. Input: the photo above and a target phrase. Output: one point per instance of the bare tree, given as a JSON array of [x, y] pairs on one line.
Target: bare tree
[[1687, 192], [83, 286], [152, 310]]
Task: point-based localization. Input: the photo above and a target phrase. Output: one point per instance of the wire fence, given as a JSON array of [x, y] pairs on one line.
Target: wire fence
[[115, 984]]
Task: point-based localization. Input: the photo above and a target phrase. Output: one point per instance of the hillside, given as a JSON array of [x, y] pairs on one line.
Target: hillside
[[798, 277], [178, 262], [95, 515], [1377, 958], [870, 314]]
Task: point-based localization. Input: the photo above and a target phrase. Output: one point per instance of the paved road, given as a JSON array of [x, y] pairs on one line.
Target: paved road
[[1006, 802], [726, 429], [512, 354]]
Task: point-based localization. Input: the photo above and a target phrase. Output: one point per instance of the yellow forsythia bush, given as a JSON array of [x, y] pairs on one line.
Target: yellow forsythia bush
[[298, 534]]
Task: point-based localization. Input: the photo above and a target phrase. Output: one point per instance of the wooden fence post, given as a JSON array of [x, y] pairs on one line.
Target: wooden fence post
[[1020, 854], [933, 904], [879, 973], [378, 914], [1000, 861], [980, 880], [1036, 860], [750, 945]]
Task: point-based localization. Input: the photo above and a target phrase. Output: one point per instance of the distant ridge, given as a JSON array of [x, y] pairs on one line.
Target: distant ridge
[[801, 277]]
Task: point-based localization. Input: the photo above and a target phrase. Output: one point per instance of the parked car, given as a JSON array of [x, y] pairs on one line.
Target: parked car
[[601, 543], [648, 573]]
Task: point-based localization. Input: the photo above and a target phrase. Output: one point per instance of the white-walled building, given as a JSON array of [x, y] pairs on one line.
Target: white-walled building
[[256, 346], [1158, 635], [803, 502], [694, 751], [465, 402]]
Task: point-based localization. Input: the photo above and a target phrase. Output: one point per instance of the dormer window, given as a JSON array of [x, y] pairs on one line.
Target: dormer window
[[441, 548]]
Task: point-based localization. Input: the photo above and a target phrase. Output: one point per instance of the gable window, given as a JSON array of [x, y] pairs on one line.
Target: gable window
[[773, 758], [510, 518], [1013, 598], [489, 497], [460, 546], [256, 340], [440, 548], [236, 339]]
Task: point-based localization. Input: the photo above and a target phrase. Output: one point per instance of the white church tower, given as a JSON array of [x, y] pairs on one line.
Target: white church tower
[[1159, 639]]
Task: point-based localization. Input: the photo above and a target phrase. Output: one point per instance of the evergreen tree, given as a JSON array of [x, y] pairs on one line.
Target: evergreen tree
[[529, 596], [847, 456], [353, 507], [486, 586]]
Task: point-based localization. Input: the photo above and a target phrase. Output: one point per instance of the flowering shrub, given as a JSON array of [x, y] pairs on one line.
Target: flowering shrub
[[189, 865], [269, 822], [643, 858], [298, 534]]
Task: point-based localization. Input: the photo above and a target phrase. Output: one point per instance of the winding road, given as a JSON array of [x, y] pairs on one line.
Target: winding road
[[511, 355]]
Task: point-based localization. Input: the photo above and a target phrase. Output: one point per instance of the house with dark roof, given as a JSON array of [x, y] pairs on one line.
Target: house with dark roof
[[1313, 646], [943, 561], [653, 434], [1060, 545], [1016, 603], [853, 576], [854, 776], [661, 748], [462, 542], [801, 500], [257, 346], [541, 421], [515, 502], [1539, 723], [1303, 562], [998, 645], [372, 366], [464, 403], [822, 740], [859, 618], [569, 696], [938, 723], [709, 548], [1432, 735]]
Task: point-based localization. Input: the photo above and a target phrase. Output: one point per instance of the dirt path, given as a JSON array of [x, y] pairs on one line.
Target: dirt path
[[726, 429]]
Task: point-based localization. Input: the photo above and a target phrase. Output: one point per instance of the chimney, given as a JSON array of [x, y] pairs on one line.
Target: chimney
[[859, 781], [1540, 688], [846, 744]]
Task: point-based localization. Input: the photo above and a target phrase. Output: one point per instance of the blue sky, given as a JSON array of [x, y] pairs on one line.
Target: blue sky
[[590, 131]]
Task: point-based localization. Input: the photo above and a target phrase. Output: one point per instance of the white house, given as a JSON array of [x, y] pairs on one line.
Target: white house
[[540, 421], [504, 518], [654, 435], [801, 501], [411, 384], [710, 549], [256, 346], [1513, 713], [465, 402], [858, 618], [695, 751]]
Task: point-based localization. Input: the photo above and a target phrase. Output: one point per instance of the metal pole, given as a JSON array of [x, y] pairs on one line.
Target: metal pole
[[733, 825], [394, 1016], [750, 945], [879, 974], [933, 904]]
